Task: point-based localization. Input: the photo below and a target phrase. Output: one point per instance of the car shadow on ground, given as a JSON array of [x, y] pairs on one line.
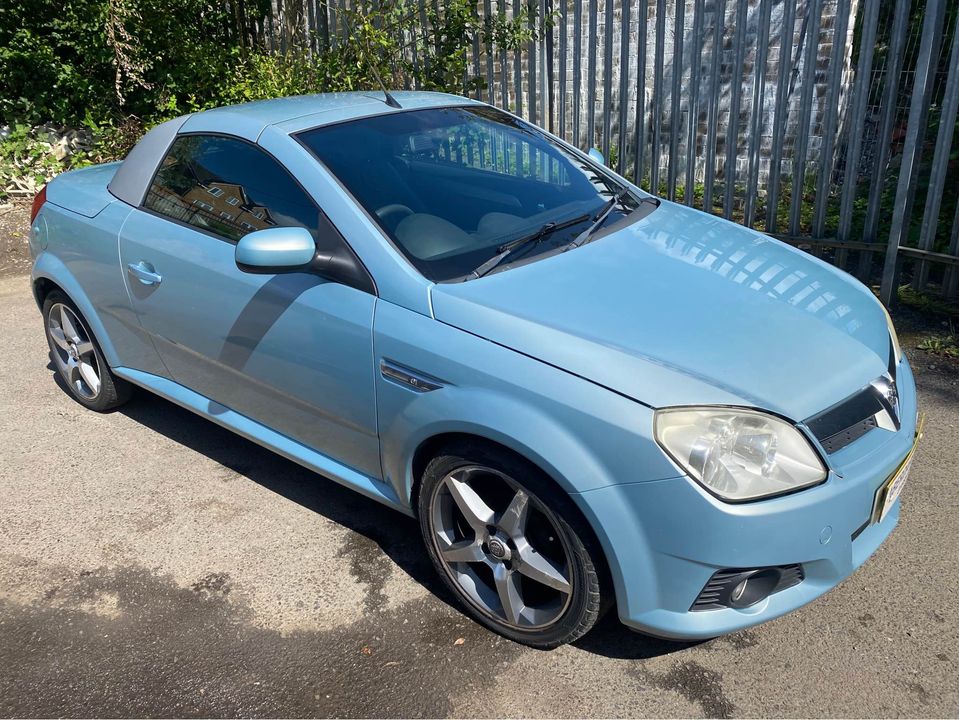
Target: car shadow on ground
[[396, 535]]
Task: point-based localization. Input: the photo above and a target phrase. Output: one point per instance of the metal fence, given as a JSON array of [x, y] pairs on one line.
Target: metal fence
[[831, 124]]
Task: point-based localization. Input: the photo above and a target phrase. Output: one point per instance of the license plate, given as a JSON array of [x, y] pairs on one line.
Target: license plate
[[890, 490]]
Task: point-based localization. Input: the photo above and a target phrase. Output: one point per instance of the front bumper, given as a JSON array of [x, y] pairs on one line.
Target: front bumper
[[665, 539]]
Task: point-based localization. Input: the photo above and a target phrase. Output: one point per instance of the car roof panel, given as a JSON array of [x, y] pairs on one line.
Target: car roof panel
[[293, 114], [408, 100]]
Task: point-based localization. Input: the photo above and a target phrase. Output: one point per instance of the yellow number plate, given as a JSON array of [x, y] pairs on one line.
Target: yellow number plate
[[890, 490]]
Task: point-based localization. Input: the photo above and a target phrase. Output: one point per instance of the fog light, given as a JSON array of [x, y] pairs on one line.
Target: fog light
[[742, 587], [754, 588]]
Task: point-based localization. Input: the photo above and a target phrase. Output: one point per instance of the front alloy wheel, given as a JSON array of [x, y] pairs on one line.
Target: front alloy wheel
[[515, 562]]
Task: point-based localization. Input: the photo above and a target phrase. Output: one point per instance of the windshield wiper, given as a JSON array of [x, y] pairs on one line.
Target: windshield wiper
[[507, 249], [584, 236]]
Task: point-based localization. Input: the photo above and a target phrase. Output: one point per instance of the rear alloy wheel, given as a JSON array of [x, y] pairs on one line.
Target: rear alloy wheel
[[77, 356], [516, 563]]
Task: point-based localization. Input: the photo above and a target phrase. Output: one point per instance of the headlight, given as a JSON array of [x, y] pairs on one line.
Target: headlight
[[738, 454], [896, 350]]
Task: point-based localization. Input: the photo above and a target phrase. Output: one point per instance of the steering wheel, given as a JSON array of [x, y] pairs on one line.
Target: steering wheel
[[392, 214]]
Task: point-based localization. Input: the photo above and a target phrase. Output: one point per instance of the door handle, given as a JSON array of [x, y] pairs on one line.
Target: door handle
[[144, 273]]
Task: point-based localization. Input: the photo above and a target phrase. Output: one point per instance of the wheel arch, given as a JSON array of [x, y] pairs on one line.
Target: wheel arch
[[434, 445], [50, 274], [42, 287]]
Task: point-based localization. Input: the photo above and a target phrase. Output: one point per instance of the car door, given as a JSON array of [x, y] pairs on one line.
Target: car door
[[292, 351]]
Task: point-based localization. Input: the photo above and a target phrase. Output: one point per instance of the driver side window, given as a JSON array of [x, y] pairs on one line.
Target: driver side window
[[230, 188]]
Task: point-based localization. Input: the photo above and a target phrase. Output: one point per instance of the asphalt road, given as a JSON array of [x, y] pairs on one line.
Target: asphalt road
[[154, 564]]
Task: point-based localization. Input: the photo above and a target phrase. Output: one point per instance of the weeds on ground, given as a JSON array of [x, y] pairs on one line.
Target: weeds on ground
[[945, 345]]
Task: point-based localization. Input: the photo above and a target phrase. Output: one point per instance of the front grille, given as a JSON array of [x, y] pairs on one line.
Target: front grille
[[846, 422], [715, 595], [848, 435]]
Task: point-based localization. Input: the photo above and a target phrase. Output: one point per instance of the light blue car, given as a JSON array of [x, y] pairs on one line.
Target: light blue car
[[588, 396]]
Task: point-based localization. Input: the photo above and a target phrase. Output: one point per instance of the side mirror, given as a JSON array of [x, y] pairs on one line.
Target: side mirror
[[597, 156], [275, 250]]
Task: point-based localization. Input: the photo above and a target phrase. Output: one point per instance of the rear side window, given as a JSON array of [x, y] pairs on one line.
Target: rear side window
[[229, 187]]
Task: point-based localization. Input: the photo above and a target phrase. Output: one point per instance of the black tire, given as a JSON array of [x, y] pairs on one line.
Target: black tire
[[111, 391], [583, 562]]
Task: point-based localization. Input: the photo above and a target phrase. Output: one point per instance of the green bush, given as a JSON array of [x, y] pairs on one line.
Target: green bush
[[187, 48], [116, 67], [54, 60], [63, 60], [443, 45]]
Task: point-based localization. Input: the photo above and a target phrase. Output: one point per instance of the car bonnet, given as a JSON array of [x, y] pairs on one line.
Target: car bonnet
[[684, 308]]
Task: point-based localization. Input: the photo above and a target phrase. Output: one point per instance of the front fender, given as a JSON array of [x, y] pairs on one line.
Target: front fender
[[584, 436], [593, 442], [486, 414], [540, 439]]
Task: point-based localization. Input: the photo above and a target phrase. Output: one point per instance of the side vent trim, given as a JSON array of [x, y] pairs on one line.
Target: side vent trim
[[409, 379]]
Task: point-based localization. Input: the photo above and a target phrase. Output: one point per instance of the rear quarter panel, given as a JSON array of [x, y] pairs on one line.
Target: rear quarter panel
[[82, 258], [83, 191]]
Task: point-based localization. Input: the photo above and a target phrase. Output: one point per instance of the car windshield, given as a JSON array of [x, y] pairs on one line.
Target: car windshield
[[452, 186]]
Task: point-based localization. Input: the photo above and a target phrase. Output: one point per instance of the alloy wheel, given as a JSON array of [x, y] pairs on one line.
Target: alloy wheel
[[501, 547], [74, 353]]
